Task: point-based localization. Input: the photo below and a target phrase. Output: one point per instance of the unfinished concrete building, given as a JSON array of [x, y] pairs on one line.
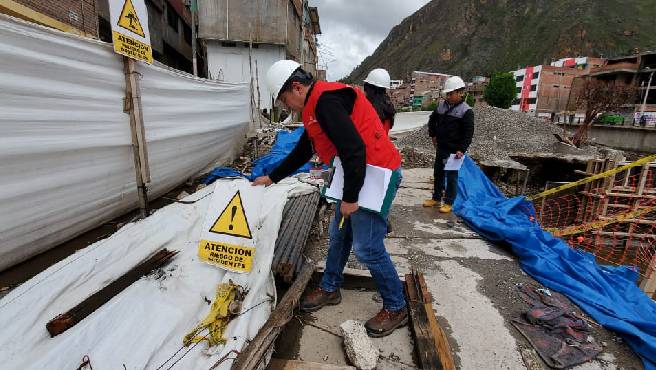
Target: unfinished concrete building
[[544, 90], [634, 71], [242, 39]]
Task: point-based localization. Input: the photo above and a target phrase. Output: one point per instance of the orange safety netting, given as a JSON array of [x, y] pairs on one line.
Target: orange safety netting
[[613, 218]]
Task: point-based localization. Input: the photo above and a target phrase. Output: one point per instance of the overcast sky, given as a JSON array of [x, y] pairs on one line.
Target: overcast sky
[[352, 29]]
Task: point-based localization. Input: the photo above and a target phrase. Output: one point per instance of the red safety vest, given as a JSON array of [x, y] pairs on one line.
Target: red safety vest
[[380, 150]]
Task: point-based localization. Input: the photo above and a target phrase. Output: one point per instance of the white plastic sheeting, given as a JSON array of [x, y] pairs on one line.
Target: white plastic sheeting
[[65, 145], [143, 326]]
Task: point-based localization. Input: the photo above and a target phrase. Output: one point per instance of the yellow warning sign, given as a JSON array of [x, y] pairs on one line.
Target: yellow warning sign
[[130, 20], [126, 45], [232, 221], [231, 257]]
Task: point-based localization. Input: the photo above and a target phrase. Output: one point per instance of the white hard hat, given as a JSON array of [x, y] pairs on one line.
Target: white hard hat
[[453, 83], [278, 74], [378, 77]]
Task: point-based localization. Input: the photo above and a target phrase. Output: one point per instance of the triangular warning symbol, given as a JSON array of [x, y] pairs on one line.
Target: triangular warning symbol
[[232, 221], [129, 19]]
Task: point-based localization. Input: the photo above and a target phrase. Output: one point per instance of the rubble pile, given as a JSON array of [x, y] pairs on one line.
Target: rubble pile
[[499, 134], [413, 158]]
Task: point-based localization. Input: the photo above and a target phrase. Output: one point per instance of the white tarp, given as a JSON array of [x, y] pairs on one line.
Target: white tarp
[[143, 326], [66, 161]]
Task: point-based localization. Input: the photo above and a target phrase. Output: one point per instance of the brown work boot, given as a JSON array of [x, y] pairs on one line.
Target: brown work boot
[[385, 322], [319, 298]]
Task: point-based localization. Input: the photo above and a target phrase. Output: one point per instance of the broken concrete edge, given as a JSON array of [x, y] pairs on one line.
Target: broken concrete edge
[[321, 266], [359, 348]]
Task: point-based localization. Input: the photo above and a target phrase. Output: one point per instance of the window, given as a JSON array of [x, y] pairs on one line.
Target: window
[[532, 100], [172, 18], [515, 102], [519, 90], [519, 78], [536, 74], [187, 33], [534, 87]]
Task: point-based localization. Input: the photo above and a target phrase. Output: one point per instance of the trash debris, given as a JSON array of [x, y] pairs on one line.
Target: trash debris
[[561, 337]]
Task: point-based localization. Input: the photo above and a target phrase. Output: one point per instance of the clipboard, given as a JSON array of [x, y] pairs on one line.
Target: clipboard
[[376, 193]]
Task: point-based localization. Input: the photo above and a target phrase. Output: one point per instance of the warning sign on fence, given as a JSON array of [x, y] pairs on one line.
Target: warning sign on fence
[[228, 237], [129, 19]]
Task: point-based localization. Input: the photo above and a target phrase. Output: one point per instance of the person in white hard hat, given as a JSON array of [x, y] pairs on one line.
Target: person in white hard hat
[[451, 127], [375, 86], [339, 121]]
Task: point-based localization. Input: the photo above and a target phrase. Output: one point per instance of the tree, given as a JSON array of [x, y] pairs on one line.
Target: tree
[[471, 101], [501, 90], [596, 96]]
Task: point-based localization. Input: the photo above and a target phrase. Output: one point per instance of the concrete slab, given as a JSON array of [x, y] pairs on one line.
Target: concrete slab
[[472, 318], [324, 346]]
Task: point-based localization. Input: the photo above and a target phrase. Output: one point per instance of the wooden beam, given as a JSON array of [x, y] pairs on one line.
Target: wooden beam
[[65, 321], [278, 364], [252, 355], [431, 344], [140, 152]]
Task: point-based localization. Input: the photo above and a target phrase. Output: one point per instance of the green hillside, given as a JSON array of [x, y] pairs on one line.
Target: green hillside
[[478, 37]]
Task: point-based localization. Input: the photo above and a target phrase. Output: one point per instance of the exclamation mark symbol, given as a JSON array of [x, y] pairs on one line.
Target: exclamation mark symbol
[[232, 218]]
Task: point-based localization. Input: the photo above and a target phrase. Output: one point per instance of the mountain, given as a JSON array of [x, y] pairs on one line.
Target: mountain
[[478, 37]]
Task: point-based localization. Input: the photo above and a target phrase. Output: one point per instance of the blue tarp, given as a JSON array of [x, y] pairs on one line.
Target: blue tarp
[[608, 294], [221, 172], [285, 142], [283, 145]]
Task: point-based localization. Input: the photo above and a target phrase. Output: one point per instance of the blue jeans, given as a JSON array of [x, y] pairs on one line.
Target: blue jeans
[[364, 232], [451, 179]]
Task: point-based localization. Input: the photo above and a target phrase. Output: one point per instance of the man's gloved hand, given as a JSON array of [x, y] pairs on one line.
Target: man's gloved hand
[[262, 180], [434, 139]]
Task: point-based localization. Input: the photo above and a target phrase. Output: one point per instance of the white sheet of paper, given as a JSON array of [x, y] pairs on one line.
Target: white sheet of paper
[[374, 189], [453, 163]]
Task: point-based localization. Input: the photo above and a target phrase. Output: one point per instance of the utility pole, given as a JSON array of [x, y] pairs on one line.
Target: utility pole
[[644, 101], [194, 9]]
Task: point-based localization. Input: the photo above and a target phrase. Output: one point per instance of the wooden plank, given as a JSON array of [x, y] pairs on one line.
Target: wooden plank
[[251, 356], [620, 233], [140, 153], [278, 364], [65, 321], [431, 344], [648, 285]]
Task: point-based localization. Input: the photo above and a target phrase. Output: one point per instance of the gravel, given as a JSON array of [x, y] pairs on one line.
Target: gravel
[[499, 134]]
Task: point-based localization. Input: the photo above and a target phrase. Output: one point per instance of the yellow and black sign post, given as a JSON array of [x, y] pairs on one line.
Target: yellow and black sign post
[[129, 20]]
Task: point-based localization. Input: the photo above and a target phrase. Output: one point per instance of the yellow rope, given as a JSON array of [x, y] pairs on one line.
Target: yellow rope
[[217, 319], [601, 223], [639, 162]]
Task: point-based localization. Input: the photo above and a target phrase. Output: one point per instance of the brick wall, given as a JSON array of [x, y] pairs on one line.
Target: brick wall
[[80, 14]]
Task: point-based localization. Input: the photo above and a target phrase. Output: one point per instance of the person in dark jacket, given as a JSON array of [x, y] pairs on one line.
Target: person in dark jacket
[[375, 87], [451, 127]]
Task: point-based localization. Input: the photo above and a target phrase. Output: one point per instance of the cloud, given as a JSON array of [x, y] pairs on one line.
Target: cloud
[[352, 29]]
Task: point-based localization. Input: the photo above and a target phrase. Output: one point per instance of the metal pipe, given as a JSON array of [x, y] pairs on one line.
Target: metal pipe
[[194, 60]]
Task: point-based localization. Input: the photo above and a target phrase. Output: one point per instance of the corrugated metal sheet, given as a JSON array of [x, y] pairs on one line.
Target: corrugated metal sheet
[[297, 219]]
